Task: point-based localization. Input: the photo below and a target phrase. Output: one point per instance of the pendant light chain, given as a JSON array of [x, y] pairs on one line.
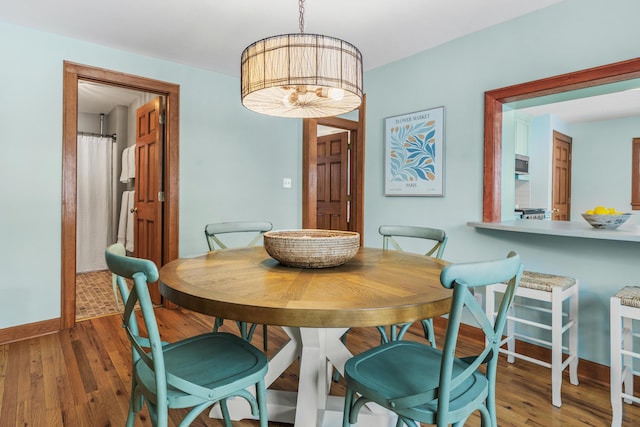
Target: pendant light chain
[[301, 18]]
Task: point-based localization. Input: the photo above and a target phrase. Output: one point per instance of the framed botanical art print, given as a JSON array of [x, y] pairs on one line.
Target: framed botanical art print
[[414, 154]]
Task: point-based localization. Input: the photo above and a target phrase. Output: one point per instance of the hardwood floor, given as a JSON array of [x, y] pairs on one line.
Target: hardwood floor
[[81, 377]]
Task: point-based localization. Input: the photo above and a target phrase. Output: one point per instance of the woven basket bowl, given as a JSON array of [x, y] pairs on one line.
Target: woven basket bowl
[[610, 222], [311, 248]]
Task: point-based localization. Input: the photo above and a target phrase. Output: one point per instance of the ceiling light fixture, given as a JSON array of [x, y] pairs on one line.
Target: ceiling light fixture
[[301, 75]]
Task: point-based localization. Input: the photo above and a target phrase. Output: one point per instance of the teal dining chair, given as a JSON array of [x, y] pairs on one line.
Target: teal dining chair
[[257, 228], [437, 241], [195, 372], [422, 384], [213, 231]]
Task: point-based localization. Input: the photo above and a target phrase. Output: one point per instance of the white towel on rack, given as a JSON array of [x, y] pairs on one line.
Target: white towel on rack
[[129, 236], [128, 164], [125, 223], [131, 162], [124, 215], [124, 174]]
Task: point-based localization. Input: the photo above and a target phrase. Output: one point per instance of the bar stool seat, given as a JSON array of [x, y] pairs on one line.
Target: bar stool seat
[[625, 308], [547, 313]]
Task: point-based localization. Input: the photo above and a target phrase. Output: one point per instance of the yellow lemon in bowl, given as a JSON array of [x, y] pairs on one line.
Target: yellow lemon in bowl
[[601, 210], [590, 212]]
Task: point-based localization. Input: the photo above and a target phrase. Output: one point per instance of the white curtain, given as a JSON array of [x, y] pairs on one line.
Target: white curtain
[[93, 228]]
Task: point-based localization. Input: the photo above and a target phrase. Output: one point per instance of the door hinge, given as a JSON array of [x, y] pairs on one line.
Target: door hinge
[[161, 119], [161, 196]]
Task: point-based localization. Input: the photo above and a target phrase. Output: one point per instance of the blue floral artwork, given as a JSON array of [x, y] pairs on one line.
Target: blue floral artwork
[[414, 154]]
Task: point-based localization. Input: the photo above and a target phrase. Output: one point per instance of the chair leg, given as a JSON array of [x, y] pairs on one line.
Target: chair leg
[[384, 338], [573, 338], [136, 402], [217, 323], [487, 418], [348, 400], [429, 333], [393, 333], [131, 418], [250, 331], [154, 415], [615, 382], [556, 346], [225, 413], [627, 365], [261, 398], [489, 303], [265, 339], [398, 335], [336, 374], [511, 339]]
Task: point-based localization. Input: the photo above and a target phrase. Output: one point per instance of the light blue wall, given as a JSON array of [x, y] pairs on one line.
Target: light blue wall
[[233, 161], [569, 36], [601, 163], [596, 146], [541, 150], [508, 164]]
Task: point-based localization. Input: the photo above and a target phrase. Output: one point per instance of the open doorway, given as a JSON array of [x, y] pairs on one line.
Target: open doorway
[[333, 189], [73, 74], [105, 188], [355, 167]]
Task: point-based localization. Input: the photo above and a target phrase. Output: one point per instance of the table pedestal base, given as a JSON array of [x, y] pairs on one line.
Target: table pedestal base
[[319, 351]]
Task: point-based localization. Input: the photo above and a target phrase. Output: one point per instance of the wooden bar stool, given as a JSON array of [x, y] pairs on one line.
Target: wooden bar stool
[[552, 291], [625, 308]]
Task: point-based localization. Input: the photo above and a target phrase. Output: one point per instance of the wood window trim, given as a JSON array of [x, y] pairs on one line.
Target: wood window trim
[[494, 100]]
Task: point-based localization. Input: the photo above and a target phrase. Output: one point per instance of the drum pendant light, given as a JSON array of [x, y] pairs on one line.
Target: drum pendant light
[[301, 75]]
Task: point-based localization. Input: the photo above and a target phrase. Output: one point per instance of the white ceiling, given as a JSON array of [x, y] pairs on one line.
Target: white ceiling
[[101, 99], [211, 34], [594, 108]]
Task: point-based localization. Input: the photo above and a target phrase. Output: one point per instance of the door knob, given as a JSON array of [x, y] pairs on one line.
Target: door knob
[[134, 210]]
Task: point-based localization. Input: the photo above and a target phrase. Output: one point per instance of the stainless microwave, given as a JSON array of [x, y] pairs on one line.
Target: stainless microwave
[[522, 164]]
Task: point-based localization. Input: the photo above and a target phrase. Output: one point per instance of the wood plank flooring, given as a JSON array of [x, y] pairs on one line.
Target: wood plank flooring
[[81, 377]]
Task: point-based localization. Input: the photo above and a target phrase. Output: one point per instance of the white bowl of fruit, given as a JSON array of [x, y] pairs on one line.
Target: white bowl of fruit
[[605, 218]]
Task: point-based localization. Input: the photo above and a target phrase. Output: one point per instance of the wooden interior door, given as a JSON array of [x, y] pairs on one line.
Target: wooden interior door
[[561, 177], [148, 186], [355, 181], [333, 187]]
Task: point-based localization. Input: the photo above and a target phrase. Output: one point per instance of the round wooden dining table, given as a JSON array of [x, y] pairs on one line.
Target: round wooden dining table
[[315, 307]]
